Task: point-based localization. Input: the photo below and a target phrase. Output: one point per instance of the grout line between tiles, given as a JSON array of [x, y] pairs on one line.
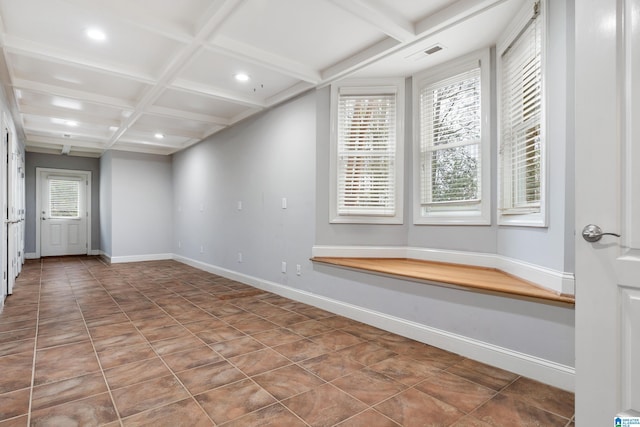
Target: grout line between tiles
[[35, 348]]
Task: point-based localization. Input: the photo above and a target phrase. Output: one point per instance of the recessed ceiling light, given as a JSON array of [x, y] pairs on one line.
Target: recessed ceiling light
[[242, 77], [96, 34], [159, 135], [71, 123]]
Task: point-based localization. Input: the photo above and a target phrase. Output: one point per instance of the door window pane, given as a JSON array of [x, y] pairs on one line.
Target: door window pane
[[64, 198]]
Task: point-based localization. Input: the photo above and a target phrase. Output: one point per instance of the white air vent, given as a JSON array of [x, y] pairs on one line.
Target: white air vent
[[434, 49], [425, 52]]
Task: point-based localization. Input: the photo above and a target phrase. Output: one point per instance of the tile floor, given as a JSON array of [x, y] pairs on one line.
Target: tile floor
[[163, 344]]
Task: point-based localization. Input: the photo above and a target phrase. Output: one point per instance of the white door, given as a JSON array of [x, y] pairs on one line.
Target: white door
[[13, 212], [63, 214], [4, 150], [607, 136]]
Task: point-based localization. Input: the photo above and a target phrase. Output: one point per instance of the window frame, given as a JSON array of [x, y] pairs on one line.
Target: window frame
[[371, 87], [514, 216], [475, 213]]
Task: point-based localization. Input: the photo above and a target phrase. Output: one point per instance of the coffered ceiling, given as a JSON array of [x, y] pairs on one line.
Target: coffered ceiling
[[161, 75]]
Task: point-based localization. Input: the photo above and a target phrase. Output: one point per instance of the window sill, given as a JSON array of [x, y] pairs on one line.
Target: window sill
[[467, 277]]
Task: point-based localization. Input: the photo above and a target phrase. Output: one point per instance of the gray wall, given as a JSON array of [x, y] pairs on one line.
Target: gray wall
[[106, 242], [137, 204], [257, 163], [39, 160], [276, 155]]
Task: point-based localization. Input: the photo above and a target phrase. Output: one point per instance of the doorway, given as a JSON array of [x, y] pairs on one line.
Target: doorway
[[63, 225]]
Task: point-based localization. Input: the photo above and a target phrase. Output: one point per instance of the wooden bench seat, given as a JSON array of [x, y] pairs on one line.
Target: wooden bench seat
[[472, 278]]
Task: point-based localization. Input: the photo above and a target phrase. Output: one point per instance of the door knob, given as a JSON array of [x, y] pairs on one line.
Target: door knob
[[592, 233]]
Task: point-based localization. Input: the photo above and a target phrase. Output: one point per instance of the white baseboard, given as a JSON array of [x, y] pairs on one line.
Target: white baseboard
[[559, 282], [542, 370], [138, 258]]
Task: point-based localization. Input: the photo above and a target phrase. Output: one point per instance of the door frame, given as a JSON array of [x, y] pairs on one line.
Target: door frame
[[4, 197], [40, 172]]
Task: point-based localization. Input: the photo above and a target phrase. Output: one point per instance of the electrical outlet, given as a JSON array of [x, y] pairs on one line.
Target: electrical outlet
[[284, 203], [284, 267], [239, 256], [239, 205], [298, 269]]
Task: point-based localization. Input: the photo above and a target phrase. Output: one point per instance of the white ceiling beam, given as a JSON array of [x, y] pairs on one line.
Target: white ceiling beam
[[53, 149], [217, 93], [83, 96], [42, 141], [186, 115], [359, 60], [288, 93], [166, 131], [445, 18], [75, 151], [211, 131], [241, 116], [146, 149], [453, 14], [34, 130], [28, 48], [245, 52], [62, 113], [188, 143], [147, 142], [214, 17], [218, 12], [385, 19]]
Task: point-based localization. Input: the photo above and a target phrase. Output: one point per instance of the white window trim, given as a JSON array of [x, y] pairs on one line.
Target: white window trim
[[482, 215], [368, 86], [538, 219]]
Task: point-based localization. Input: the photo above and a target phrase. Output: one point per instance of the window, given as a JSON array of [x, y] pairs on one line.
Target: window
[[452, 150], [521, 149], [366, 152], [64, 198]]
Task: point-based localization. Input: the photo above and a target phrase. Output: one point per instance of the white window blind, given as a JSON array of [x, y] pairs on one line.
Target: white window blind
[[366, 150], [521, 117], [64, 198], [450, 138]]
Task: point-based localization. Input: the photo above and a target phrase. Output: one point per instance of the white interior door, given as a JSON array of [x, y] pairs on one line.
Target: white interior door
[[13, 212], [63, 214], [4, 233], [607, 76]]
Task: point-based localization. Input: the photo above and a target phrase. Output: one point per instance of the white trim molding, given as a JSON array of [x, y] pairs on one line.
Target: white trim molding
[[539, 369], [138, 258], [559, 282]]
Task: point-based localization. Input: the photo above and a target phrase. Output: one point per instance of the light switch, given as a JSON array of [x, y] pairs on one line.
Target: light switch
[[284, 203]]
